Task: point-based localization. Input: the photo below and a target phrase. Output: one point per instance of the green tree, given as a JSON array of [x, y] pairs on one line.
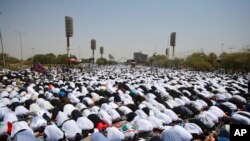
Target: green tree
[[212, 59], [179, 62], [236, 62], [161, 61], [62, 58], [39, 58], [85, 61], [8, 60], [101, 61], [111, 62], [50, 58], [198, 61]]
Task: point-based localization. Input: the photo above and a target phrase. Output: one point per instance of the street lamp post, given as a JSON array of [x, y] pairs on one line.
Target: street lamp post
[[2, 50], [222, 49], [20, 36], [32, 57], [93, 47]]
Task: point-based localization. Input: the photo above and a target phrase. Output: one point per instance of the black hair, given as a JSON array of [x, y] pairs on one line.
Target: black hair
[[75, 114], [78, 137], [131, 116]]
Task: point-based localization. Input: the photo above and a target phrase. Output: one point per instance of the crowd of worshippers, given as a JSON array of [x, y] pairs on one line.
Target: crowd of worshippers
[[119, 103]]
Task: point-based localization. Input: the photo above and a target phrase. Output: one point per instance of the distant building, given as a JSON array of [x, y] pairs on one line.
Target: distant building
[[140, 57]]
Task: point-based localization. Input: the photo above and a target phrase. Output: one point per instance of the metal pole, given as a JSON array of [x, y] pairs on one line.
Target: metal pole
[[32, 57], [2, 47], [68, 51], [222, 47], [93, 56], [79, 52], [20, 36], [173, 53], [2, 50], [173, 58], [21, 50]]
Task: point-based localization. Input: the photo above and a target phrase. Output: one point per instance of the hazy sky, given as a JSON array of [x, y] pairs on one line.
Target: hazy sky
[[124, 26]]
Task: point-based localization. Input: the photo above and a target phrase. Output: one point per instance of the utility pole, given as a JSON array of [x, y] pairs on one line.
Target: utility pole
[[32, 57], [2, 47], [69, 33], [20, 36], [93, 47], [222, 47], [2, 50], [79, 52], [101, 51], [173, 43]]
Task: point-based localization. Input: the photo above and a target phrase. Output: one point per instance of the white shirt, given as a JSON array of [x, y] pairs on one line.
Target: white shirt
[[143, 125], [17, 126], [70, 129], [244, 120], [37, 122], [171, 114], [68, 108], [10, 117], [53, 133], [114, 134], [193, 128], [183, 133], [84, 123], [60, 118], [21, 110]]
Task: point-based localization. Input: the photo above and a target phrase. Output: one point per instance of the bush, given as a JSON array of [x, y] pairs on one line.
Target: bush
[[236, 62]]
